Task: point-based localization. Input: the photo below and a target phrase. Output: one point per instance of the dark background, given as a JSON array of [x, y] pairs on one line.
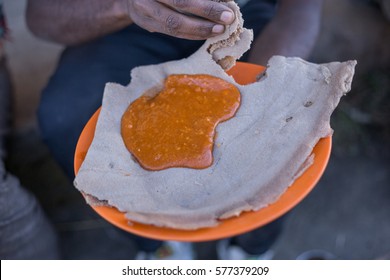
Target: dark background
[[347, 214]]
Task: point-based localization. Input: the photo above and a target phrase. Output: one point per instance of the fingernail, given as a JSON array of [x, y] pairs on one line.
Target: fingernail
[[218, 28], [227, 17]]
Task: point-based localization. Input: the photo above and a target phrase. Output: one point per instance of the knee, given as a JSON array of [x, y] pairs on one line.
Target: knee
[[49, 117], [58, 131]]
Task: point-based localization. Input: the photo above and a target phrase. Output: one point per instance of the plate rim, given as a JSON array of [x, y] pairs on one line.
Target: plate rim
[[294, 194]]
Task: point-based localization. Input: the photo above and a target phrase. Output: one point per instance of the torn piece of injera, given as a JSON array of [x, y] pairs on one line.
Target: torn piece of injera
[[258, 152]]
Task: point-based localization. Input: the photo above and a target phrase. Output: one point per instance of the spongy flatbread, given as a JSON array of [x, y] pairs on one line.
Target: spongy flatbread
[[257, 155]]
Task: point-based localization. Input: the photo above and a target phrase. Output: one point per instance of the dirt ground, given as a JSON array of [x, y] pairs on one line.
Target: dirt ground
[[345, 215]]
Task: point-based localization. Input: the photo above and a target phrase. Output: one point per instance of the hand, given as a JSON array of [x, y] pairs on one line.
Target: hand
[[189, 19], [292, 32]]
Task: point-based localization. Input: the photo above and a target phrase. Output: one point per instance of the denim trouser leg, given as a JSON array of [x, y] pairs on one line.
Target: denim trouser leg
[[25, 232], [258, 241], [75, 90], [5, 105]]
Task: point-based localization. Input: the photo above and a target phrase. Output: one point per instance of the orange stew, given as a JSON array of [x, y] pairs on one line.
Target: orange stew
[[176, 127]]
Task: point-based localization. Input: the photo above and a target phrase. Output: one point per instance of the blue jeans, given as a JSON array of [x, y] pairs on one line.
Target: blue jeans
[[25, 232], [75, 90]]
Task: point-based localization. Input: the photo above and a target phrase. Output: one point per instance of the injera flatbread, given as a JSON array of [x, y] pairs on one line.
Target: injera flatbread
[[257, 155]]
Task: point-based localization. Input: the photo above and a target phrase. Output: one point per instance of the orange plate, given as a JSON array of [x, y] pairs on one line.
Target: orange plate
[[243, 73]]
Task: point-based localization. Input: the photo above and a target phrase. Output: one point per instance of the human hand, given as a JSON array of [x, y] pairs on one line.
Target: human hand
[[188, 19]]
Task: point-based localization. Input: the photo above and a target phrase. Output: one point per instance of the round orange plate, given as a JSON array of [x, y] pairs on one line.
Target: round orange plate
[[243, 73]]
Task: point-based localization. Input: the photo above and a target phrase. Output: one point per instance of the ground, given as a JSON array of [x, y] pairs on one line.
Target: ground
[[347, 212]]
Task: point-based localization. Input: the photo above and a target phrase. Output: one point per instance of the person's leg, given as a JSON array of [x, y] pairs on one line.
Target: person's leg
[[259, 241], [5, 106], [75, 90], [25, 232], [256, 15]]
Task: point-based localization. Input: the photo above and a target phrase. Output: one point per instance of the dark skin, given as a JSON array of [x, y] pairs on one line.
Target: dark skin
[[72, 22], [189, 19], [292, 32]]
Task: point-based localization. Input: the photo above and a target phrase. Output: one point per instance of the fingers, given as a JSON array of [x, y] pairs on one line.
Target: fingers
[[182, 26], [189, 19], [206, 9]]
